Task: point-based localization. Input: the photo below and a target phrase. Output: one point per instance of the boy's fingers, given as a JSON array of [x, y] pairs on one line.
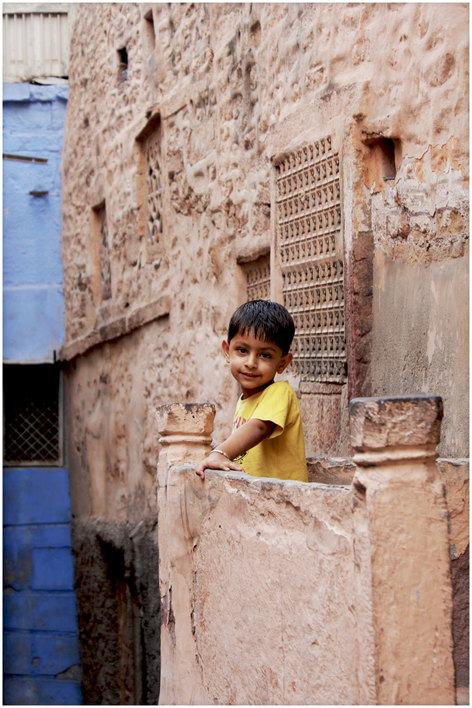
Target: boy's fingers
[[226, 466]]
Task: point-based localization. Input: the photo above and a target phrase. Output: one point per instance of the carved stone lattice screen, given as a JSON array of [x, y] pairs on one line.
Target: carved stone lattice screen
[[308, 217], [154, 187], [258, 278]]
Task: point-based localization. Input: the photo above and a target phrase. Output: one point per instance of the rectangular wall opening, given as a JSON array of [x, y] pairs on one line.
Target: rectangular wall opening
[[149, 187], [32, 415], [100, 252]]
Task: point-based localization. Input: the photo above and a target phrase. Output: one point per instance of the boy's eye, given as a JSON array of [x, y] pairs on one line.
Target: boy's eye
[[266, 355], [241, 350]]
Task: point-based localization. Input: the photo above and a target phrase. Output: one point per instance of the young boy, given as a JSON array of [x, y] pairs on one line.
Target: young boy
[[267, 438]]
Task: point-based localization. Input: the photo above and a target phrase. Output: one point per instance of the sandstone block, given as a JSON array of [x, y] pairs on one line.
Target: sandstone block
[[398, 421], [186, 418]]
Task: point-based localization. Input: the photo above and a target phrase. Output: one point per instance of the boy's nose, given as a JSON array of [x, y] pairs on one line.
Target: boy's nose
[[252, 360]]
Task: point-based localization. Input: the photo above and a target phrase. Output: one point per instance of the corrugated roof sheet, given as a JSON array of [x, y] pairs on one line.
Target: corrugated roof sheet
[[35, 41]]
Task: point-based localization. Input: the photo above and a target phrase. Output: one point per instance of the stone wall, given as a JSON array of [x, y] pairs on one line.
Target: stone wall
[[178, 119], [118, 612], [226, 88]]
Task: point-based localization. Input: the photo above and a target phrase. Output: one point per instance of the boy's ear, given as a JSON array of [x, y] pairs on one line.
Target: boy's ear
[[225, 348], [284, 362]]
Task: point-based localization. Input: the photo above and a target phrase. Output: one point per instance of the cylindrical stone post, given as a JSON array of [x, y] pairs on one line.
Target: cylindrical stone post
[[185, 431], [394, 442]]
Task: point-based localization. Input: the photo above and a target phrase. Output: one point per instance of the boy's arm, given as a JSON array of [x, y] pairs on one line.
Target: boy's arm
[[240, 440]]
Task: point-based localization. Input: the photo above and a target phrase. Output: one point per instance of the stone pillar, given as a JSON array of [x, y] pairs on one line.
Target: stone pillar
[[185, 437], [185, 431], [394, 442]]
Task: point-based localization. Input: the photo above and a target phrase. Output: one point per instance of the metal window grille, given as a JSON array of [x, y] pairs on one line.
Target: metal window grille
[[258, 279], [309, 230], [32, 420]]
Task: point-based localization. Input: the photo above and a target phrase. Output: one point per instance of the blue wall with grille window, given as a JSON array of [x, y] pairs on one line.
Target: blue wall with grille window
[[41, 658]]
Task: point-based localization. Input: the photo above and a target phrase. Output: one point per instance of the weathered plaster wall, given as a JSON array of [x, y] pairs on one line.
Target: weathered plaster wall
[[261, 592], [420, 321], [235, 85], [225, 88]]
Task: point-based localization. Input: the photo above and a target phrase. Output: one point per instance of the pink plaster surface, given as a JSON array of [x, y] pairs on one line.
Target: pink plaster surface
[[265, 585], [288, 593]]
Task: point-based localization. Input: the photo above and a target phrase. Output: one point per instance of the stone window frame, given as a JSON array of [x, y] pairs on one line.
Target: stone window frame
[[307, 151], [357, 249]]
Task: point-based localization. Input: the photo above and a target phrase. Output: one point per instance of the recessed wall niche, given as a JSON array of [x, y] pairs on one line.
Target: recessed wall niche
[[149, 33], [149, 187], [100, 255], [122, 64]]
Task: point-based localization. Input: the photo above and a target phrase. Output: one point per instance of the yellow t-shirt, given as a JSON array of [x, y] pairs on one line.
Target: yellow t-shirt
[[282, 454]]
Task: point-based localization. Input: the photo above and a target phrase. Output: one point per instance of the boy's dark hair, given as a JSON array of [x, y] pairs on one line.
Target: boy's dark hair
[[268, 320]]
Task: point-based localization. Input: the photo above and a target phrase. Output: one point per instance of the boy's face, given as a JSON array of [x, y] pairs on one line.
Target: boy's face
[[254, 362]]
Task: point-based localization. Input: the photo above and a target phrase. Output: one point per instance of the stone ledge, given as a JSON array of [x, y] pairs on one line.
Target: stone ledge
[[249, 252], [337, 471], [321, 388], [119, 327]]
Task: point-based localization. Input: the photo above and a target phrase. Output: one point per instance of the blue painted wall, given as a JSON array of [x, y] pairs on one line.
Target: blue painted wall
[[40, 650], [33, 303], [41, 655]]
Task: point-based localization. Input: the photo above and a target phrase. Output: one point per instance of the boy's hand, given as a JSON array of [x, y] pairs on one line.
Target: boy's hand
[[216, 461]]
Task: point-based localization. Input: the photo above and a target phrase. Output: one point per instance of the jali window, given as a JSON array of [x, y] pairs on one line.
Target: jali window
[[150, 186], [258, 278], [309, 224]]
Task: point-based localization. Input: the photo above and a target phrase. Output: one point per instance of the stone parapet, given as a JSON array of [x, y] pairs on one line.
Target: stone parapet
[[240, 558], [330, 470]]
